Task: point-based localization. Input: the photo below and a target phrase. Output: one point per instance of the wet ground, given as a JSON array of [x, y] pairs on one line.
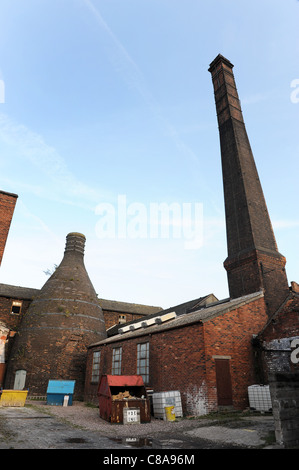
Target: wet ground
[[35, 427]]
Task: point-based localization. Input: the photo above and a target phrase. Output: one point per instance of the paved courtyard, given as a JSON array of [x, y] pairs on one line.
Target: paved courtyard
[[41, 426]]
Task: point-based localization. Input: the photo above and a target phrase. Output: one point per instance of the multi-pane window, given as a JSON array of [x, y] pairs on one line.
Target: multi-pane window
[[116, 361], [143, 361], [95, 372]]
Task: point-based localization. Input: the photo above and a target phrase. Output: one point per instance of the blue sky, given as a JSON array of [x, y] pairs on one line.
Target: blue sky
[[104, 98]]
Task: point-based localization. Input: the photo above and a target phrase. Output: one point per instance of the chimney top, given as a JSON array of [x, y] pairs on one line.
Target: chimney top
[[220, 58], [75, 242]]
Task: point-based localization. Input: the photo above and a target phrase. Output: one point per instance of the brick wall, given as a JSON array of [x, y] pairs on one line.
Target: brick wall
[[285, 323], [7, 207], [112, 317], [274, 341], [173, 364], [253, 271], [230, 336], [284, 389], [12, 321]]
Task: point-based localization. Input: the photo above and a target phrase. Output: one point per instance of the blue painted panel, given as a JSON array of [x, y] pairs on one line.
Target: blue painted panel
[[64, 387], [57, 399]]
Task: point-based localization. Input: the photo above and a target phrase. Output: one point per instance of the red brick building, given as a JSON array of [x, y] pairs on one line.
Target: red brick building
[[205, 354], [7, 207]]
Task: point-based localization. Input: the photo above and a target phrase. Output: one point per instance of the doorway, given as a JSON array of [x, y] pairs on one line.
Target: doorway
[[20, 379], [223, 382]]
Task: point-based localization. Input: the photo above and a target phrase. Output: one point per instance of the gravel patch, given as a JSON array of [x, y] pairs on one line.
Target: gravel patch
[[88, 418]]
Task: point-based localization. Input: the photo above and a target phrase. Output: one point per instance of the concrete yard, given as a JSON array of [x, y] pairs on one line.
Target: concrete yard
[[41, 426]]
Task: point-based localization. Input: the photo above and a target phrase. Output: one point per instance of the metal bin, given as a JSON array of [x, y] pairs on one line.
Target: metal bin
[[13, 397], [116, 392], [59, 389]]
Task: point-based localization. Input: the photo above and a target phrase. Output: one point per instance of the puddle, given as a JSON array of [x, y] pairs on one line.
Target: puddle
[[76, 440], [134, 441]]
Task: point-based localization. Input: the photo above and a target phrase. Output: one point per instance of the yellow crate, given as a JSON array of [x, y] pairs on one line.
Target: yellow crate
[[13, 397]]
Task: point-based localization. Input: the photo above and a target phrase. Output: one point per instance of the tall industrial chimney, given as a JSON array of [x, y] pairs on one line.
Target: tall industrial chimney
[[253, 261]]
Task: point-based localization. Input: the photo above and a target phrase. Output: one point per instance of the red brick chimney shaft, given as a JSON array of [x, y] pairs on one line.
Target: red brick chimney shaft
[[253, 261]]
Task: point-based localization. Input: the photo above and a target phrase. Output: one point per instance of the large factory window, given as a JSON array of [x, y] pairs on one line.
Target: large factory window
[[95, 372], [143, 361], [116, 361]]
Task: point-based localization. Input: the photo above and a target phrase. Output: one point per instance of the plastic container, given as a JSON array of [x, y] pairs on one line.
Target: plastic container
[[165, 399], [170, 413], [259, 398]]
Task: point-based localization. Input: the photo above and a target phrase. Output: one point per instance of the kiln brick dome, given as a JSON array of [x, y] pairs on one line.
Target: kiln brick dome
[[59, 325]]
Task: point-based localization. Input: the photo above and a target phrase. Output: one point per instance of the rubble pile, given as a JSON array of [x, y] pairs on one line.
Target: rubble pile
[[123, 396]]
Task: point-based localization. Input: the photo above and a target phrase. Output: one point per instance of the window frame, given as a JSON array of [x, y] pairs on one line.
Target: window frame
[[116, 361], [95, 367], [143, 355], [16, 303]]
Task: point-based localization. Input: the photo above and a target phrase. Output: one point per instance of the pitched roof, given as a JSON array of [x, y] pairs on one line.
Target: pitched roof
[[126, 307], [202, 315], [17, 292], [180, 309], [28, 293]]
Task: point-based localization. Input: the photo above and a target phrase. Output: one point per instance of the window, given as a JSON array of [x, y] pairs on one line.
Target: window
[[116, 361], [95, 371], [143, 361], [16, 307], [122, 319]]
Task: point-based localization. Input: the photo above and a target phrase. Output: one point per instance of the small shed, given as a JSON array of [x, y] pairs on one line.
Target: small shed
[[119, 392], [60, 392]]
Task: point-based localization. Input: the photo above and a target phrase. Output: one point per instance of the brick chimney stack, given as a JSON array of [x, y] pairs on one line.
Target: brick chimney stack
[[59, 325], [253, 261]]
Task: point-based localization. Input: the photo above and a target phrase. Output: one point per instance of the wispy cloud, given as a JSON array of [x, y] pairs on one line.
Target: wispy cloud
[[123, 57], [32, 148]]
